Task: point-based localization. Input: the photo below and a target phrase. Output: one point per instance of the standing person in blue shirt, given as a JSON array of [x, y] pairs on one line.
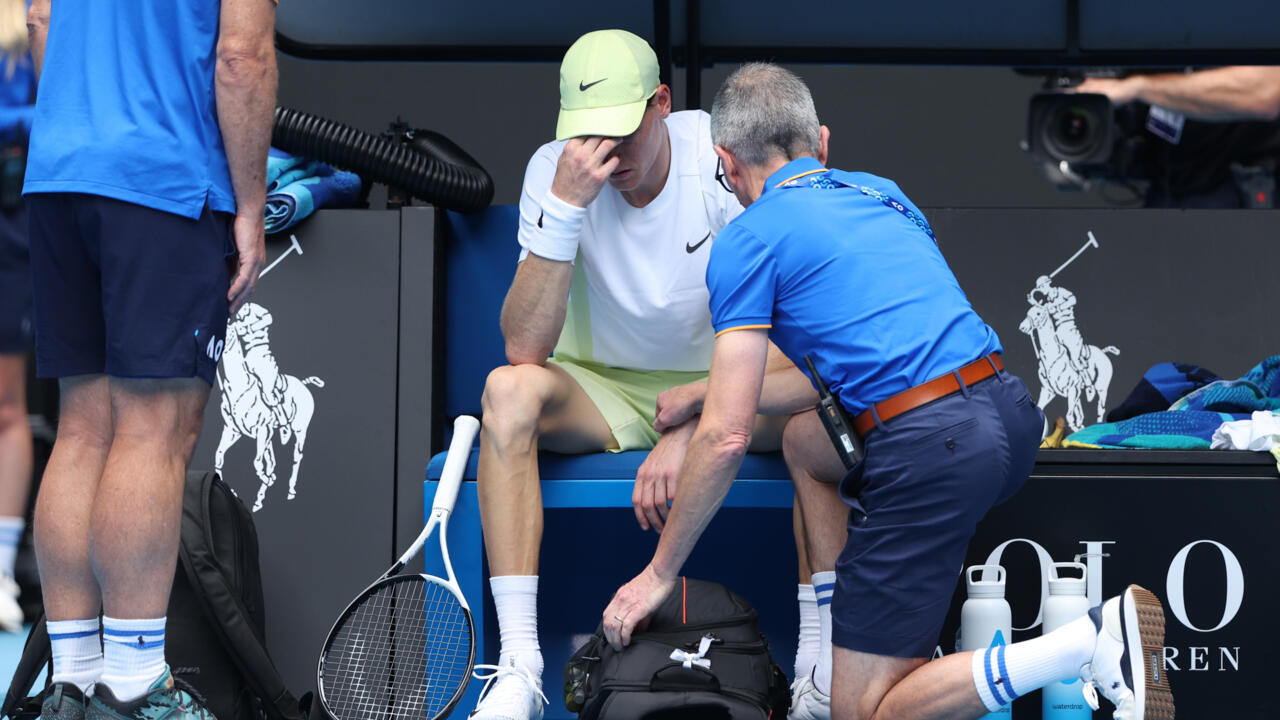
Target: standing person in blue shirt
[[145, 190], [843, 268], [17, 90]]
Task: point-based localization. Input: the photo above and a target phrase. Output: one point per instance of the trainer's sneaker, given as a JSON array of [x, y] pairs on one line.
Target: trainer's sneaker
[[64, 702], [1127, 660], [511, 692], [166, 698], [10, 610], [807, 701]]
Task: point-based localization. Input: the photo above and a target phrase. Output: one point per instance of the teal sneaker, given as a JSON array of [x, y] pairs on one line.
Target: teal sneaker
[[166, 699], [64, 702]]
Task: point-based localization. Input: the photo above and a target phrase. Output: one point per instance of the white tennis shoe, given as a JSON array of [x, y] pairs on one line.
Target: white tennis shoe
[[807, 701], [1127, 664], [10, 610], [511, 692]]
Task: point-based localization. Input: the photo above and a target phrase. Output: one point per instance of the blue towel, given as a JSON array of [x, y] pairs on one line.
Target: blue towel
[[1189, 423], [297, 187]]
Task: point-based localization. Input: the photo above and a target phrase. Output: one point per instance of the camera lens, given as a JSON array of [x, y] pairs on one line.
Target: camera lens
[[1072, 132]]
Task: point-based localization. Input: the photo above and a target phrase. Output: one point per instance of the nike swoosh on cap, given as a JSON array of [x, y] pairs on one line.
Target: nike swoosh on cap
[[691, 248], [583, 87]]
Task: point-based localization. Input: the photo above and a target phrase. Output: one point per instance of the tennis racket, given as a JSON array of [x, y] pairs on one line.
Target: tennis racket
[[404, 648]]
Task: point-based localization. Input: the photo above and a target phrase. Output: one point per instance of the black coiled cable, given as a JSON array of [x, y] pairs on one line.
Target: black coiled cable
[[432, 169]]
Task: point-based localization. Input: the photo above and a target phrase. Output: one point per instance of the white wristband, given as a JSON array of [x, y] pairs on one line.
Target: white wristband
[[555, 236]]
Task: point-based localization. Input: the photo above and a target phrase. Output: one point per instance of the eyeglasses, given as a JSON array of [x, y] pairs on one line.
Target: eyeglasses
[[720, 178]]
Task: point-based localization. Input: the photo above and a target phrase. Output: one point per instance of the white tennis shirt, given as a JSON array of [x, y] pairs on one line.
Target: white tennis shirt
[[639, 297]]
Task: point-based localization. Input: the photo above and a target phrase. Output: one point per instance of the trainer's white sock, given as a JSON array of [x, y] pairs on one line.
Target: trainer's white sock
[[133, 655], [824, 586], [10, 534], [516, 599], [1003, 673], [810, 632], [77, 652]]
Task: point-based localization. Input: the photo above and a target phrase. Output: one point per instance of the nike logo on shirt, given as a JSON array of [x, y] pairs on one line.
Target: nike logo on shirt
[[692, 248], [583, 87]]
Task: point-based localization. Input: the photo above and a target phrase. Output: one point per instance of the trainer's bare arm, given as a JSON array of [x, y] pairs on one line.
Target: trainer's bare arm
[[38, 30], [785, 391], [245, 87], [534, 310]]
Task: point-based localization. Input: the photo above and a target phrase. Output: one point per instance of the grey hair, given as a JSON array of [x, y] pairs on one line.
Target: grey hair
[[762, 111]]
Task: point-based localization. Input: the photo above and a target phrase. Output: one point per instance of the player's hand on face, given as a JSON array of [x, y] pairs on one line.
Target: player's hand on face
[[634, 603], [658, 476], [583, 169], [678, 404], [250, 237]]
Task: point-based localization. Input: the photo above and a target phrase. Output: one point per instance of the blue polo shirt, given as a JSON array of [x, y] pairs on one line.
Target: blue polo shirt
[[17, 90], [125, 105], [837, 273]]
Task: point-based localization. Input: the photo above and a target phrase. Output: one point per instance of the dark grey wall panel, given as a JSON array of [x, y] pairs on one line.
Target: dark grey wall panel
[[414, 22], [996, 24], [333, 311], [414, 395], [1162, 285], [1178, 25], [948, 135]]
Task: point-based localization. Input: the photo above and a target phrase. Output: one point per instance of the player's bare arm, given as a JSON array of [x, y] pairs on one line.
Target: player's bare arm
[[533, 313]]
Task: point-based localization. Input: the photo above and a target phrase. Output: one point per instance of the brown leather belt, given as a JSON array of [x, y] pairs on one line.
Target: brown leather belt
[[942, 386]]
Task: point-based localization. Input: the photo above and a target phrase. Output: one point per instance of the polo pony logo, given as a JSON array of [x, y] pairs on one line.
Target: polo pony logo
[[258, 401], [1068, 367]]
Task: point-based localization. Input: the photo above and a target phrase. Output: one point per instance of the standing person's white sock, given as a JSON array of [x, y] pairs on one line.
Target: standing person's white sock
[[77, 652], [516, 600], [10, 534], [133, 655], [810, 639], [824, 586], [1006, 672]]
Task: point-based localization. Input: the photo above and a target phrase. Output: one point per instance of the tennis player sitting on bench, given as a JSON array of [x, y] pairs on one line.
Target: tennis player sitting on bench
[[617, 219]]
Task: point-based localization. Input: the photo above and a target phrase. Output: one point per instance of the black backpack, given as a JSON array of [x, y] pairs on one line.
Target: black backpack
[[216, 620], [701, 656]]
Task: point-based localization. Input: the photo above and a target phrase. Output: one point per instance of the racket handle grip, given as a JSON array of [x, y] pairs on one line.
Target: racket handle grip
[[455, 462]]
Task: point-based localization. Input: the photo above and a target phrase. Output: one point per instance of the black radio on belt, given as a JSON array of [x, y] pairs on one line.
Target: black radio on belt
[[837, 422]]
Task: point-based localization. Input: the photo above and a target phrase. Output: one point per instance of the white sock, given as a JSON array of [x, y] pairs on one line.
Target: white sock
[[77, 652], [1003, 673], [810, 632], [10, 534], [516, 599], [824, 586], [133, 655]]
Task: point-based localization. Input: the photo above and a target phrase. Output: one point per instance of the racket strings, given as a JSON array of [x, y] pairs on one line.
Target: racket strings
[[403, 652]]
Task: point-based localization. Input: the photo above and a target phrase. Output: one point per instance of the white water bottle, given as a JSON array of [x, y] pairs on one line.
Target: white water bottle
[[985, 618], [1067, 601]]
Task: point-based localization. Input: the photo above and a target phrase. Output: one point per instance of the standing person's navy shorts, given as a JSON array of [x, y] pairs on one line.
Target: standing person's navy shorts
[[15, 283], [127, 290], [929, 475]]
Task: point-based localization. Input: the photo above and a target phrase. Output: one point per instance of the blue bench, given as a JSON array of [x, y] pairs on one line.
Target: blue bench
[[591, 541]]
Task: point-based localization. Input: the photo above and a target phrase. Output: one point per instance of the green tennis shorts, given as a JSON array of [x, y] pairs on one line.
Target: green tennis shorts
[[627, 398]]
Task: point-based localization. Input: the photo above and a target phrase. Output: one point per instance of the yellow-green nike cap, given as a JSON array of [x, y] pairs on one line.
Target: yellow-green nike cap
[[606, 80]]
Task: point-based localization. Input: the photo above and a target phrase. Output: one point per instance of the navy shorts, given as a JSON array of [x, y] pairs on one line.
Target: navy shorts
[[127, 290], [15, 283], [928, 477]]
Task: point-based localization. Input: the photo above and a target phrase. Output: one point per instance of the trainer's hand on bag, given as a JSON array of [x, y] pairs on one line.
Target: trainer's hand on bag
[[583, 169], [657, 477], [634, 603], [677, 405], [251, 244]]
